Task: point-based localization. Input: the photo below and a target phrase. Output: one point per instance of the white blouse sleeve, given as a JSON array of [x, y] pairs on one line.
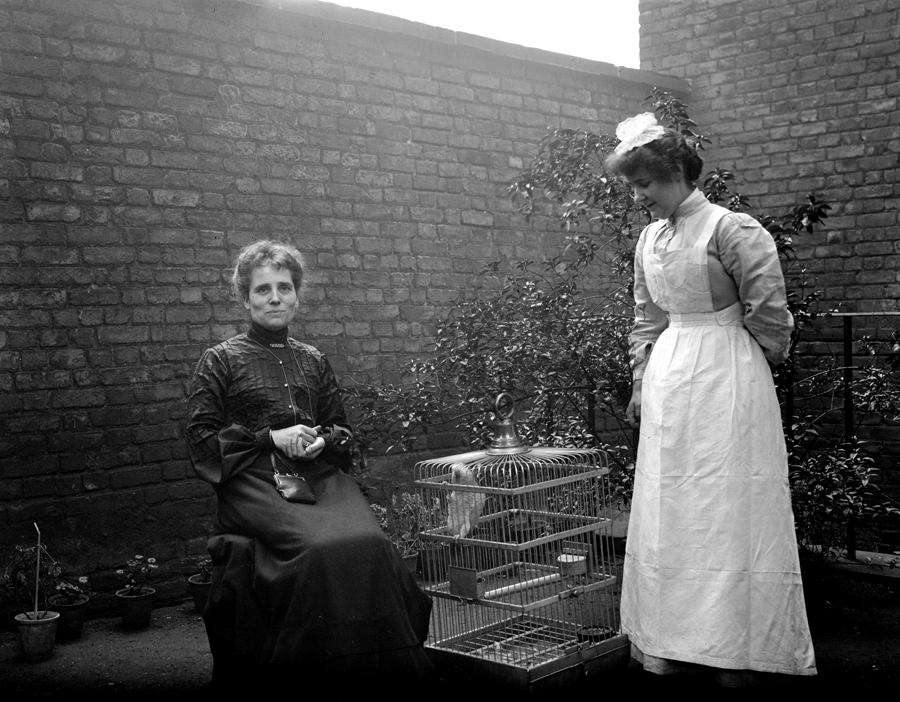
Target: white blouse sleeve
[[748, 253]]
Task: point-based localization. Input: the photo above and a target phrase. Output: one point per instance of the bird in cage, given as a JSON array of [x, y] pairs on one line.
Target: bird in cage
[[463, 507]]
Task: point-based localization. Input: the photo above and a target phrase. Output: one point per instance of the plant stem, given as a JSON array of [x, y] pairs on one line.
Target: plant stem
[[37, 571]]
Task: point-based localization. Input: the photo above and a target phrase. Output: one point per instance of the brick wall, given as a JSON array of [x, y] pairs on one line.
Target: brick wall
[[799, 97], [143, 142]]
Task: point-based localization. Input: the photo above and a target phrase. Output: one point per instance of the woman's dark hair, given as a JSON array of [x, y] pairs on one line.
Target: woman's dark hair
[[265, 253], [662, 158]]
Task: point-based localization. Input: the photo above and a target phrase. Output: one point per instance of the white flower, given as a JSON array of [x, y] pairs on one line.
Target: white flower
[[637, 131]]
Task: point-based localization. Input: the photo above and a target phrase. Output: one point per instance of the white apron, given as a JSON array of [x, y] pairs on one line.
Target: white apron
[[711, 573]]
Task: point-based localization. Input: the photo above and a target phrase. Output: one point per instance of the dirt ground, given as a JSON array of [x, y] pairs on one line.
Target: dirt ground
[[855, 623]]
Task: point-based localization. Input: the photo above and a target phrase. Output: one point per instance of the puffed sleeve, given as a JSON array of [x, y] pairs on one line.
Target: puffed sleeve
[[649, 320], [748, 253], [332, 417], [217, 451]]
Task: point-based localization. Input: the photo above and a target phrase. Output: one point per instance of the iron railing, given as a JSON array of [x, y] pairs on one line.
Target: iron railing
[[848, 411]]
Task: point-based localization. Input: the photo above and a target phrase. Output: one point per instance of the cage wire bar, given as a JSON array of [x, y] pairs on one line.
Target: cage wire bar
[[518, 559]]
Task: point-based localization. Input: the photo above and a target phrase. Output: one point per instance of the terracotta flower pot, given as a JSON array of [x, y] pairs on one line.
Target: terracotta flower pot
[[199, 591], [37, 636], [71, 617], [136, 610], [412, 562]]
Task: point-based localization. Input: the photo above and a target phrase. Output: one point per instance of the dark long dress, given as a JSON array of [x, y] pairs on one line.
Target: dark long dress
[[297, 586]]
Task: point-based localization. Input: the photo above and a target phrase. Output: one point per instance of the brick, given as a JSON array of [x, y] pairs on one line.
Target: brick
[[175, 198]]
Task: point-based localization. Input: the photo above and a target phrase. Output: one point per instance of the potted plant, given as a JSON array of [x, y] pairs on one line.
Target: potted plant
[[199, 584], [403, 520], [30, 575], [136, 597], [70, 599]]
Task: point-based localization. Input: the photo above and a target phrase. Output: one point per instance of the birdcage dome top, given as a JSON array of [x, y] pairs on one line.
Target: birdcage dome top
[[508, 457]]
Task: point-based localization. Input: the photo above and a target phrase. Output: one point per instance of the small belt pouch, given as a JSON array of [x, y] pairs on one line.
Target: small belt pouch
[[292, 487]]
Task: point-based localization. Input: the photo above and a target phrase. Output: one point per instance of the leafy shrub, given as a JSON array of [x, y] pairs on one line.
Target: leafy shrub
[[554, 334], [136, 575], [405, 518], [71, 591], [30, 577]]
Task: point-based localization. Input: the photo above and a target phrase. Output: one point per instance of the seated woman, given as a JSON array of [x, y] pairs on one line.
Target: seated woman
[[301, 586]]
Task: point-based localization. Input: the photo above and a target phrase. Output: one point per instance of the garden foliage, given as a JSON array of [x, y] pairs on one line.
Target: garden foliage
[[29, 577], [553, 333]]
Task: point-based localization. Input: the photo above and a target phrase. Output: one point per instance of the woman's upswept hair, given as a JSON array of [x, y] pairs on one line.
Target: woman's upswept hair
[[265, 253], [662, 158]]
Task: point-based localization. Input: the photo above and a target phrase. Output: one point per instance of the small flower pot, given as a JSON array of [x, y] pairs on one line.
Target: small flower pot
[[593, 634], [71, 618], [37, 636], [199, 591], [411, 561], [136, 610]]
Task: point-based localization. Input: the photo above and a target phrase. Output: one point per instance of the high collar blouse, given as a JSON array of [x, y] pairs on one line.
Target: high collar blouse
[[748, 254], [243, 387]]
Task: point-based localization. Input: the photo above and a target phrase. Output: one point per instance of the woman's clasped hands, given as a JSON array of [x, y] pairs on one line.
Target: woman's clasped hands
[[298, 441]]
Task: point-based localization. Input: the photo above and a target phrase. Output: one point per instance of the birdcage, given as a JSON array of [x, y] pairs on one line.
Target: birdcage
[[519, 561]]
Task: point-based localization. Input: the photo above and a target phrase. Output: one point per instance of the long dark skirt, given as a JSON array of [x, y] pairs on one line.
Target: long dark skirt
[[310, 587]]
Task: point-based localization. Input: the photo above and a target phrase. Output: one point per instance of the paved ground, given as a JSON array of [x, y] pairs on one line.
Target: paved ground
[[171, 655], [855, 623]]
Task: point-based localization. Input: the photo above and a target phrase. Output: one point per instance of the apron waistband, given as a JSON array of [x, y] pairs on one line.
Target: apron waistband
[[729, 316]]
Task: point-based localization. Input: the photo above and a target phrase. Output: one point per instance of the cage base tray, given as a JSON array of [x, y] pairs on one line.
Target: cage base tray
[[524, 653]]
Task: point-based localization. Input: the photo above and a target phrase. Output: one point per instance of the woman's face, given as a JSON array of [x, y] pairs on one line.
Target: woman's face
[[660, 197], [273, 299]]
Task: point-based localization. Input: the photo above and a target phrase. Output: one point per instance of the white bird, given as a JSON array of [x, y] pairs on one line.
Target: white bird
[[463, 506]]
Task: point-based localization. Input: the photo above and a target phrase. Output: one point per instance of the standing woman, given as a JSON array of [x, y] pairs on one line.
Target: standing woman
[[307, 584], [711, 578]]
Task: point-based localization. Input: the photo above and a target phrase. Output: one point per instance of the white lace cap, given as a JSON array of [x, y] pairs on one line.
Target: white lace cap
[[637, 131]]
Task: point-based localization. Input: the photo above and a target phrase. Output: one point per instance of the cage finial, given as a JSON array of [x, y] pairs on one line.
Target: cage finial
[[505, 440]]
